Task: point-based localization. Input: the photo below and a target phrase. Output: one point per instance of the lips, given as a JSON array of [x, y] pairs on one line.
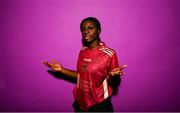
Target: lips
[[87, 37]]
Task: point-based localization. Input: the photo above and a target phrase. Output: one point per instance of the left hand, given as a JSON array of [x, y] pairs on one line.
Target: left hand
[[118, 71]]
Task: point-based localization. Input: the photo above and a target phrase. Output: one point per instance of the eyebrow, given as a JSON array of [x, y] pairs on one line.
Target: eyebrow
[[89, 26]]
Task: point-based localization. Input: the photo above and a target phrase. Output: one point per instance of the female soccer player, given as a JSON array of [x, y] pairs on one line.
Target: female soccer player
[[97, 65]]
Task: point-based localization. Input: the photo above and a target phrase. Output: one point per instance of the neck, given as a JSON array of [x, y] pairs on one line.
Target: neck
[[93, 44]]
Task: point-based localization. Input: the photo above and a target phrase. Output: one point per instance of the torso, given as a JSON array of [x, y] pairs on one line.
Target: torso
[[93, 67]]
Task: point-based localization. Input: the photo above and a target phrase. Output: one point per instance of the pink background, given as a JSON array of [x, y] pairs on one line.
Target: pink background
[[144, 34]]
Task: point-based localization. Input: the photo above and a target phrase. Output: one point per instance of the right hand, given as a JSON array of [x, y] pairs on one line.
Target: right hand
[[54, 65]]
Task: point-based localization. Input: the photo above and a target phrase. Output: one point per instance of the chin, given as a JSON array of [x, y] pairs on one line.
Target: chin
[[86, 42]]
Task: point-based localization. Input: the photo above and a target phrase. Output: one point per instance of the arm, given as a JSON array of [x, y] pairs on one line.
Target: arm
[[115, 71], [115, 75], [56, 66], [70, 73]]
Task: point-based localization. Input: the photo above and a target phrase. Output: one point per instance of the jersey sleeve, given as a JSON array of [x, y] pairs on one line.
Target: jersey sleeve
[[114, 81], [113, 62]]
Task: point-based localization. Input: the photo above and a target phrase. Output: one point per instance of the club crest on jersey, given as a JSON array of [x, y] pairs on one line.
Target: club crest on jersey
[[84, 67]]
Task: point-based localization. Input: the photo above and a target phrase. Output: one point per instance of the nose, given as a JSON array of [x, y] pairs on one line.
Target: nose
[[86, 31]]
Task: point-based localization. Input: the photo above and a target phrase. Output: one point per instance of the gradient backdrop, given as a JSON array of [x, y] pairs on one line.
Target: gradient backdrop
[[144, 33]]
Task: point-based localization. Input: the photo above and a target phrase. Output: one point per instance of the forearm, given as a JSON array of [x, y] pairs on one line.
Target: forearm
[[70, 73], [115, 80]]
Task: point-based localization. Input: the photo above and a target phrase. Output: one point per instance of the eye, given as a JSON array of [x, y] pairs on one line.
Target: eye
[[91, 27], [82, 29]]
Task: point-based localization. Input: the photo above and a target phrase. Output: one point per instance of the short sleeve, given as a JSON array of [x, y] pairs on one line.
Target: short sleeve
[[113, 62]]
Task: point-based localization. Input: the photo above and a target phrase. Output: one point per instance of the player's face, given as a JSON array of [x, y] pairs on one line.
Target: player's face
[[89, 31]]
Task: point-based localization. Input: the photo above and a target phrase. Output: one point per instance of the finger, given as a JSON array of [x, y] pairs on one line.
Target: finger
[[48, 64], [117, 73], [123, 66], [111, 73], [45, 63], [54, 61], [114, 73], [116, 69], [122, 73]]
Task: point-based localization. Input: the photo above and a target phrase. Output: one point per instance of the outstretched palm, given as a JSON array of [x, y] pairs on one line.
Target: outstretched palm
[[54, 65]]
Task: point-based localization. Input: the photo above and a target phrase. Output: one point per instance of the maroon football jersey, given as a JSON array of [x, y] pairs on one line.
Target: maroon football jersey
[[93, 67]]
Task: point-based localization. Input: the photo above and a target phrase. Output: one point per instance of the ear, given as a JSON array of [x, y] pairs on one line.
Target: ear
[[99, 32]]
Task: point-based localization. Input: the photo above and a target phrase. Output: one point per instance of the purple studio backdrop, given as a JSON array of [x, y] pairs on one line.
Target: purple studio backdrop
[[144, 34]]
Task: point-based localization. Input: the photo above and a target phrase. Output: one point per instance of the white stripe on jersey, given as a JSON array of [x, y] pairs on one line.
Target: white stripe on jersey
[[105, 89], [108, 51]]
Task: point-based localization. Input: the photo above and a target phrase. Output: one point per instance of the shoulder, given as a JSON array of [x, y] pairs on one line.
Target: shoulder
[[83, 48], [107, 50]]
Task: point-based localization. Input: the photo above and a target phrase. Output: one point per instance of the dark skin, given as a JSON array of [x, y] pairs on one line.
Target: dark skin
[[90, 34]]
